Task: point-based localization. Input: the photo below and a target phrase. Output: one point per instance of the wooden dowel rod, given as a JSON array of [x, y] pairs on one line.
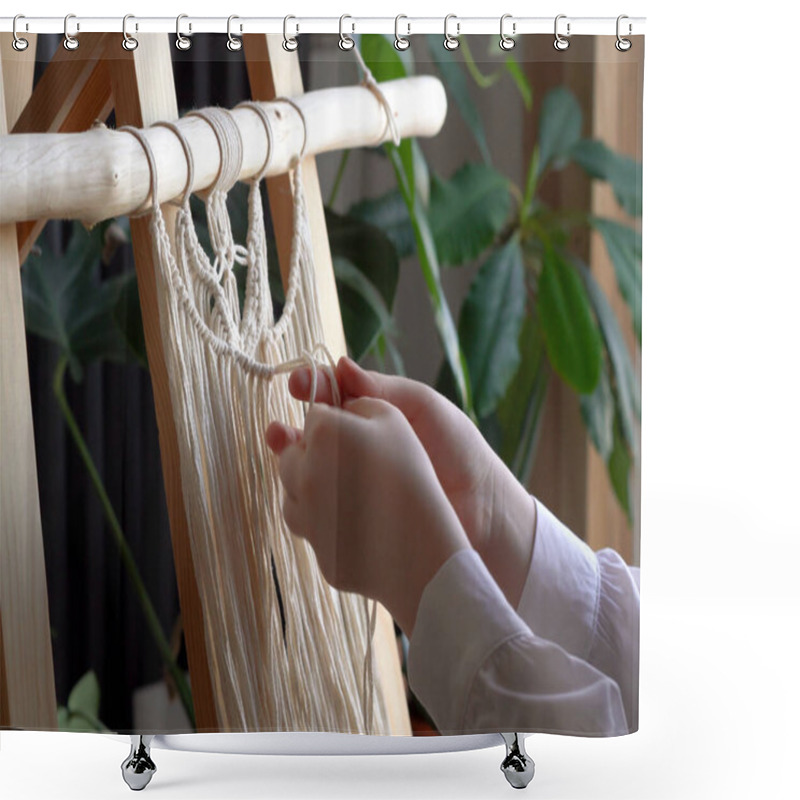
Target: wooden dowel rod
[[103, 173]]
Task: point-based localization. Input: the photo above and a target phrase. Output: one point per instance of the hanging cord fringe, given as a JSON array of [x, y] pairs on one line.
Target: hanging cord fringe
[[198, 286]]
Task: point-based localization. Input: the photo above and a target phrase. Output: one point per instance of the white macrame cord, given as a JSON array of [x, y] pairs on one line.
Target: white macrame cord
[[286, 651]]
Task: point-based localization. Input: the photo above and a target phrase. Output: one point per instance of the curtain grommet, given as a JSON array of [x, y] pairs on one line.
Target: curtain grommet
[[70, 42], [346, 42], [19, 43], [182, 42], [561, 43], [507, 42], [451, 42], [289, 42], [128, 42], [623, 45], [401, 43]]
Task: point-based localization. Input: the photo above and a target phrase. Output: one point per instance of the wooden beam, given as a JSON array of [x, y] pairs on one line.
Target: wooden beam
[[144, 92], [73, 92], [275, 73], [100, 173], [568, 475], [27, 682], [559, 477], [617, 121]]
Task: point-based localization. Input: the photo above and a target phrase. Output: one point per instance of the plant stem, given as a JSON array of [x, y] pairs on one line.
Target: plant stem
[[338, 180], [530, 183], [125, 552], [484, 81]]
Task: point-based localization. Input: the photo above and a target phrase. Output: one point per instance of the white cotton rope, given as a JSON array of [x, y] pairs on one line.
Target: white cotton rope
[[285, 649]]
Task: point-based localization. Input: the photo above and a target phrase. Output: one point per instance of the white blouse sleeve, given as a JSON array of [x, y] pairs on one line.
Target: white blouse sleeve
[[587, 603], [476, 666]]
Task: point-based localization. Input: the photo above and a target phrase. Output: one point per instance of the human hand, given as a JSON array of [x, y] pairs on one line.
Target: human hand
[[495, 510], [361, 489]]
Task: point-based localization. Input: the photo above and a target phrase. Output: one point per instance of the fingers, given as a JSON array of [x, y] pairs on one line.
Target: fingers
[[409, 396], [300, 385], [290, 469], [280, 436]]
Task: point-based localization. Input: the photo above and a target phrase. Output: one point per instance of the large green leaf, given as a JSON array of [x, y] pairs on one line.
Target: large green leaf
[[85, 695], [619, 470], [452, 73], [625, 383], [519, 411], [366, 267], [624, 245], [67, 302], [389, 213], [384, 61], [623, 173], [368, 248], [402, 159], [560, 123], [468, 211], [81, 712], [489, 325], [570, 332], [364, 314], [128, 316], [597, 410]]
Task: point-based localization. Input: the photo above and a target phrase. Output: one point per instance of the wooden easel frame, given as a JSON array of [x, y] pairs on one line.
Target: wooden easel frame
[[72, 93]]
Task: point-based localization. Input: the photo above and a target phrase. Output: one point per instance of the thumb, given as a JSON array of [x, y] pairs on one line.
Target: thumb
[[367, 407]]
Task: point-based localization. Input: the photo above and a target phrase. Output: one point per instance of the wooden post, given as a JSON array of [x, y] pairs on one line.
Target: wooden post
[[569, 476], [616, 120], [559, 477], [144, 92], [27, 682], [275, 73]]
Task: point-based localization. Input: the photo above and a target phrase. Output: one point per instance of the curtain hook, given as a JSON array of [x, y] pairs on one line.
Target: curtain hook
[[506, 42], [560, 42], [234, 42], [623, 45], [128, 41], [451, 42], [19, 44], [401, 42], [182, 42], [70, 42], [346, 42], [289, 42]]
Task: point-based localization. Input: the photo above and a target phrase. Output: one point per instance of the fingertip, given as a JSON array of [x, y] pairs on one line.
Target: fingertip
[[280, 436], [300, 383], [276, 437], [354, 380]]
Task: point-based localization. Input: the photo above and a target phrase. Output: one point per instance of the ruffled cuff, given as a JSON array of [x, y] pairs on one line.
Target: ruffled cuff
[[463, 617], [561, 594]]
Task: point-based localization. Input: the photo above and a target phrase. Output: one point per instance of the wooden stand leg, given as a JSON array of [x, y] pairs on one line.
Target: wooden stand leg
[[27, 683], [144, 92]]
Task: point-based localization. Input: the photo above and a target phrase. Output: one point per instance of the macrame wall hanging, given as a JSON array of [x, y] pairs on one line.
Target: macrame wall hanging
[[286, 651]]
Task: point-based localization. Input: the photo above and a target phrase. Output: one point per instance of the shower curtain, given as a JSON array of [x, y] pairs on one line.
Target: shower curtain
[[489, 284]]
